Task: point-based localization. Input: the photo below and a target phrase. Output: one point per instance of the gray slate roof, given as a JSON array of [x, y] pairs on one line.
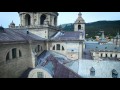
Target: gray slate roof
[[104, 47], [10, 35], [54, 64], [65, 36]]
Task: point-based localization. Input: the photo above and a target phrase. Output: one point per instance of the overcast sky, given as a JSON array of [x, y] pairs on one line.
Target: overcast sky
[[64, 17]]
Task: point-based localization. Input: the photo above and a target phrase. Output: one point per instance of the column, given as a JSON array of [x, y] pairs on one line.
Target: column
[[17, 53], [32, 19], [10, 54]]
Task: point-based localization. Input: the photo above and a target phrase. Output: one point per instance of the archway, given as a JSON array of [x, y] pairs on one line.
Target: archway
[[42, 19], [79, 27], [55, 21], [27, 20]]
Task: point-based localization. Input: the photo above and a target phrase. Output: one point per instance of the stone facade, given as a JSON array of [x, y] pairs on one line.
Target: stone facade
[[14, 67], [37, 28], [72, 50], [43, 24]]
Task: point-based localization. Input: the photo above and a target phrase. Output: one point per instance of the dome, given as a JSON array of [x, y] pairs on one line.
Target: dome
[[12, 23], [80, 19]]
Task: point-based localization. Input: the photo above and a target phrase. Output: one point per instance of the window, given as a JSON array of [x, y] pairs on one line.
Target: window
[[27, 20], [20, 54], [40, 75], [116, 56], [58, 46], [92, 72], [106, 55], [101, 55], [54, 47], [111, 55], [63, 48], [7, 57], [114, 73], [55, 21], [14, 53], [79, 27], [38, 48], [42, 19]]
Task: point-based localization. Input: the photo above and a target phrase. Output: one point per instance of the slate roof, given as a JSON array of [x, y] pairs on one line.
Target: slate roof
[[10, 35], [54, 64], [104, 47], [65, 36]]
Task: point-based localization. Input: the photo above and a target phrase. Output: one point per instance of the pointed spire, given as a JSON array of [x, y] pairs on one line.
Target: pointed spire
[[103, 36]]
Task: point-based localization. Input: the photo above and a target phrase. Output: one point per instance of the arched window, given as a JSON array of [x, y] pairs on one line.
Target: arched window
[[42, 19], [38, 47], [111, 55], [79, 27], [55, 21], [116, 56], [7, 57], [54, 47], [20, 54], [14, 53], [63, 48], [106, 55], [114, 73], [27, 20], [92, 72]]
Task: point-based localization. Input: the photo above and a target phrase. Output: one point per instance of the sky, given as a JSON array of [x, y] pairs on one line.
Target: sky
[[63, 18]]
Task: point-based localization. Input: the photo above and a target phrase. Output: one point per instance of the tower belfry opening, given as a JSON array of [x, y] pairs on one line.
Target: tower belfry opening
[[42, 19], [27, 20]]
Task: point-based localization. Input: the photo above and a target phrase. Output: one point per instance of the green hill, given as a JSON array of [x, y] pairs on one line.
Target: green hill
[[92, 29]]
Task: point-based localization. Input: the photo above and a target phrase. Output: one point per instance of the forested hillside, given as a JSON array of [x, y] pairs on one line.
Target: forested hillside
[[92, 29]]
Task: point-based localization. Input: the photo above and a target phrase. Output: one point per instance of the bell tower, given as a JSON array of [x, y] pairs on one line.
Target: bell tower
[[43, 24], [38, 18], [79, 23]]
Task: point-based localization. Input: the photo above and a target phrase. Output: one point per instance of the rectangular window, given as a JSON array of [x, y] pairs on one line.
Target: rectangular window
[[14, 53], [54, 48], [63, 48], [40, 75], [58, 46], [38, 48], [20, 54]]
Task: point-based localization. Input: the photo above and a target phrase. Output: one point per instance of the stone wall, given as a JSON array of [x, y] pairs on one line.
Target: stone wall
[[73, 50], [13, 68]]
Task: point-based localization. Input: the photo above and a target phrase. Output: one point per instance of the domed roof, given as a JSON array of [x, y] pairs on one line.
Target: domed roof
[[12, 23], [80, 19]]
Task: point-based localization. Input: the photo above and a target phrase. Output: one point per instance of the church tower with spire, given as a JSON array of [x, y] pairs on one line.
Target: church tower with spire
[[79, 24]]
